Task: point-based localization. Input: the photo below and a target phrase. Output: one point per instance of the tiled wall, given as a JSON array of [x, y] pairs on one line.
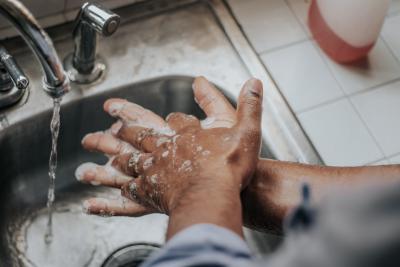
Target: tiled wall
[[350, 113], [53, 12]]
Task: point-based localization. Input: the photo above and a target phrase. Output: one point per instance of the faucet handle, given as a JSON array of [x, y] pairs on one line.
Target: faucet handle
[[8, 66], [101, 19], [83, 65]]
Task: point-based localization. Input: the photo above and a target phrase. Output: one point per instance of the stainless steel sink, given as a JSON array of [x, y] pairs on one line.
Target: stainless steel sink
[[151, 60], [90, 239]]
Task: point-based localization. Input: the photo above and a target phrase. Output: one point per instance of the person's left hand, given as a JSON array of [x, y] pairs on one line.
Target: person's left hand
[[220, 115]]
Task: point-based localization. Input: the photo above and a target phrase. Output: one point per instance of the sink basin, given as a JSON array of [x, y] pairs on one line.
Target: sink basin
[[90, 239]]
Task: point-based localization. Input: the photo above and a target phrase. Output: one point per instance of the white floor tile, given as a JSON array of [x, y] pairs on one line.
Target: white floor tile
[[380, 109], [390, 33], [380, 67], [395, 159], [300, 9], [268, 24], [339, 135], [302, 75], [394, 7], [380, 162]]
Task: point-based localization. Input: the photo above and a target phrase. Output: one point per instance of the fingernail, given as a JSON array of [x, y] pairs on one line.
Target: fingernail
[[86, 207], [254, 86], [85, 137], [115, 108], [85, 170]]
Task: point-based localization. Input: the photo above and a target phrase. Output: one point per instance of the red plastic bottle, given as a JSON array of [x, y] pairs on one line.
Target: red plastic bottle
[[346, 30]]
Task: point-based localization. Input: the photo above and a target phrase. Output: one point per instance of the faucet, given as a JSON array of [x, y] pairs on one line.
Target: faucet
[[13, 81], [83, 66], [55, 81]]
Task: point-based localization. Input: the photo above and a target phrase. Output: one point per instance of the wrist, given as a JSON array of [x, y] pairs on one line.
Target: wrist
[[203, 192], [212, 203], [260, 210]]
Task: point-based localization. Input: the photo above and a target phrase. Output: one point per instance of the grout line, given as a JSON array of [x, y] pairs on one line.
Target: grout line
[[303, 27], [376, 161], [271, 50], [389, 48], [307, 37], [367, 127], [393, 155], [325, 103], [393, 14]]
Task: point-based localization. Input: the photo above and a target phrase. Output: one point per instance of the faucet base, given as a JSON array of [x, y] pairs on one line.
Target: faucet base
[[11, 97], [80, 78]]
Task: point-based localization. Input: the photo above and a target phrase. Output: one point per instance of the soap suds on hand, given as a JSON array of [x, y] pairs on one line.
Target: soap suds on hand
[[207, 123], [148, 163], [154, 178], [186, 166]]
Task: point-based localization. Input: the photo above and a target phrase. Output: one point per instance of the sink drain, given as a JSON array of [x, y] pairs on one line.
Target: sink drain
[[130, 256]]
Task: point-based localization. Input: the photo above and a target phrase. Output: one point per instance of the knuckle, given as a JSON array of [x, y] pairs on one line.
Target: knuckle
[[251, 101]]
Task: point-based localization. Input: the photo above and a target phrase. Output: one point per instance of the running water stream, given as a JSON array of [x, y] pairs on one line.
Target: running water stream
[[54, 129]]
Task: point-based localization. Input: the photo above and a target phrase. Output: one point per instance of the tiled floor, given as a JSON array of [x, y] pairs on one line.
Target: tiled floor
[[350, 113]]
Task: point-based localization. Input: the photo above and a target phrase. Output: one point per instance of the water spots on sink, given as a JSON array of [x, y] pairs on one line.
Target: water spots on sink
[[79, 239]]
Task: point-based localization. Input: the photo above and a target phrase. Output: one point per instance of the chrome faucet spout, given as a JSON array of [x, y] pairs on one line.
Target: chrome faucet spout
[[55, 81]]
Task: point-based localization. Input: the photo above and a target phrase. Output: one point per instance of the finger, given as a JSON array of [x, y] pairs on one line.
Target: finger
[[214, 104], [134, 190], [178, 121], [144, 139], [105, 143], [114, 129], [114, 207], [134, 163], [250, 106], [94, 174], [132, 113]]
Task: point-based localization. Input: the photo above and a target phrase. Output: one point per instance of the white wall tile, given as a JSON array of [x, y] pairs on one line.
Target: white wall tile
[[380, 67], [395, 159], [302, 76], [380, 109], [339, 135], [391, 34], [300, 9], [267, 24]]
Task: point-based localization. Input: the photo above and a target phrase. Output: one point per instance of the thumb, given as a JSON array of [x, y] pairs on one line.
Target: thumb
[[250, 105]]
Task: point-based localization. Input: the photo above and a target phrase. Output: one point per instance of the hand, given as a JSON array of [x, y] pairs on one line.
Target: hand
[[220, 115]]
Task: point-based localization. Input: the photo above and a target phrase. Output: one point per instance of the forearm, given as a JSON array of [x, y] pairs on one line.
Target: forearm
[[218, 204], [275, 188]]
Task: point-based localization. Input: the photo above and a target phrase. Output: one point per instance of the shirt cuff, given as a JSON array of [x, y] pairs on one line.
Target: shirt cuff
[[202, 243]]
